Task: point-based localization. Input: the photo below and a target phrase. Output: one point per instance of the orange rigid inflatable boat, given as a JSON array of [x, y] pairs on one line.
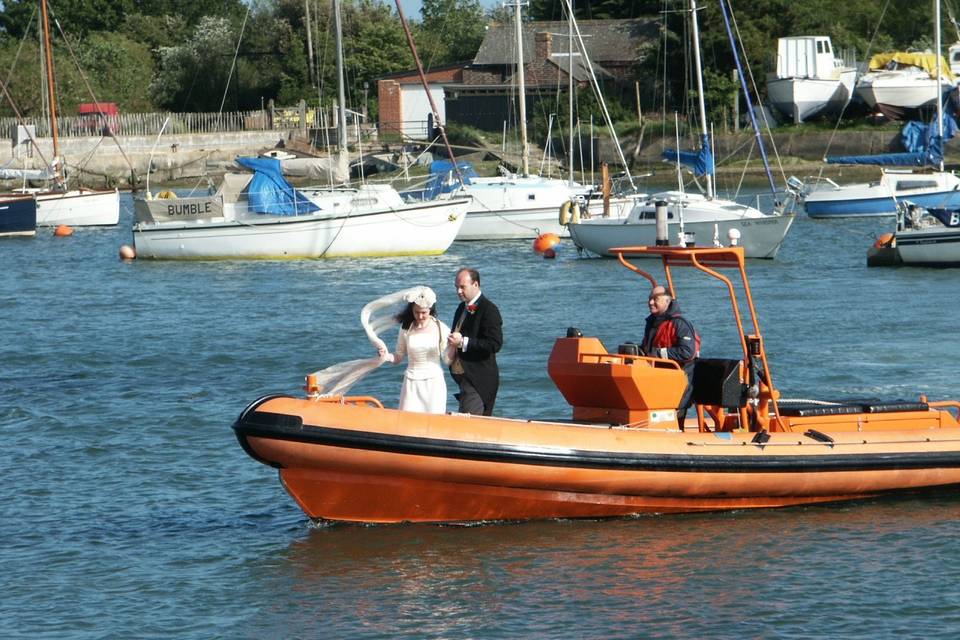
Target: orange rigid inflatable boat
[[622, 453]]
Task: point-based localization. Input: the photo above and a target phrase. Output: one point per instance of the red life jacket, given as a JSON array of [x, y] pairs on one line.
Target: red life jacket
[[666, 337]]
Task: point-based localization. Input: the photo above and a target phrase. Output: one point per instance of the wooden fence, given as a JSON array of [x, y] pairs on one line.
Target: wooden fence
[[150, 124]]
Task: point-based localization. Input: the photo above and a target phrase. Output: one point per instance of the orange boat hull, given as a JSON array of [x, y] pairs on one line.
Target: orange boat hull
[[348, 462]]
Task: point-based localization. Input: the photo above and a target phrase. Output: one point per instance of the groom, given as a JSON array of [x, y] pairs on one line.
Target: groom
[[477, 337]]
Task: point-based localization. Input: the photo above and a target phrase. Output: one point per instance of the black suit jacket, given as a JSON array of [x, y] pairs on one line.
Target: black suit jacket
[[484, 332]]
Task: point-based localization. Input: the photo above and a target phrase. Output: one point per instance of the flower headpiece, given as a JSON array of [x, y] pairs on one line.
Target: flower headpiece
[[422, 297]]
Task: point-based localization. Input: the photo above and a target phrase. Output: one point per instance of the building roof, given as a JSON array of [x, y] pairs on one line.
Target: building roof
[[606, 41]]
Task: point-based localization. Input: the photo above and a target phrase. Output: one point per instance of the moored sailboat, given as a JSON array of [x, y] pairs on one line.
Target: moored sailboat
[[58, 205], [260, 215], [707, 216]]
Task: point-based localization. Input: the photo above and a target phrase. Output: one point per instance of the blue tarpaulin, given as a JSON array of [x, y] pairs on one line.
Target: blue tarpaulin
[[923, 146], [949, 217], [270, 193], [701, 162], [443, 179]]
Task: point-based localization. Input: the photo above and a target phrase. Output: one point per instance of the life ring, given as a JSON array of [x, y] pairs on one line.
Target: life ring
[[569, 212], [166, 195]]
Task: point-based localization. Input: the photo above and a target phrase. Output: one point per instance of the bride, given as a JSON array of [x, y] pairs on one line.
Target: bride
[[423, 342]]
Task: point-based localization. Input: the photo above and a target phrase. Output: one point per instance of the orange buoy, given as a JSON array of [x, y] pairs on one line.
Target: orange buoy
[[127, 252], [549, 254], [63, 230], [885, 240], [545, 241]]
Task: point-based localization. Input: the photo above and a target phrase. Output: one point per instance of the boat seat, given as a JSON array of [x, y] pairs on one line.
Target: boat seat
[[891, 407], [716, 382], [847, 407], [805, 409]]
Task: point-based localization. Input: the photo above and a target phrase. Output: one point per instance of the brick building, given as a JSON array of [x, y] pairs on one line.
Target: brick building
[[482, 93]]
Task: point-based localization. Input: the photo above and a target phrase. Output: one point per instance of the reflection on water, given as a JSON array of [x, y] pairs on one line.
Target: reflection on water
[[827, 570]]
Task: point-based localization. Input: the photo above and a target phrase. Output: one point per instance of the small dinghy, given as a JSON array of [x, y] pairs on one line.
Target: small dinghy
[[621, 453]]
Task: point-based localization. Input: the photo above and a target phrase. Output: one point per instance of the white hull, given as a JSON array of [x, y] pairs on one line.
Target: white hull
[[516, 207], [803, 98], [422, 229], [760, 235], [879, 198], [517, 224], [923, 240], [78, 208], [901, 90], [930, 247]]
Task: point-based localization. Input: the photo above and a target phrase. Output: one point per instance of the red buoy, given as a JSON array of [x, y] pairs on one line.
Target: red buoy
[[545, 241]]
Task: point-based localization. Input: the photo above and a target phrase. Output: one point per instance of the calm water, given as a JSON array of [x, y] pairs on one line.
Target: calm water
[[129, 510]]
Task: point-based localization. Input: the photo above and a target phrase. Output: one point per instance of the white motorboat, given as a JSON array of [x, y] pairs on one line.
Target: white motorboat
[[899, 84], [810, 80], [245, 220], [708, 220]]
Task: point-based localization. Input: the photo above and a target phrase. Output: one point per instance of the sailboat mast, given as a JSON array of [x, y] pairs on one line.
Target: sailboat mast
[[570, 90], [699, 71], [51, 91], [522, 89], [341, 92], [939, 88]]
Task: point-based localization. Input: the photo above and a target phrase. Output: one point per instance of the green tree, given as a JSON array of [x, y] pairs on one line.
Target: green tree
[[192, 76], [76, 17], [451, 30]]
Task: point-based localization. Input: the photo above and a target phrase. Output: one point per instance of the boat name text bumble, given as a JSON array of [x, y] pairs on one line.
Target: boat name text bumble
[[190, 209]]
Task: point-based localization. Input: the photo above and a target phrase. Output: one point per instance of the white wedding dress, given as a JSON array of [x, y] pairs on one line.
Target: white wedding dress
[[424, 387]]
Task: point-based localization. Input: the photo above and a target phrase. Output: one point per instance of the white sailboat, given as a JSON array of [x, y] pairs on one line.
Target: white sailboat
[[59, 205], [259, 215], [521, 205], [246, 220], [706, 216]]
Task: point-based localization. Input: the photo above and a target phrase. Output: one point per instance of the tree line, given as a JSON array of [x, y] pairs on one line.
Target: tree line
[[208, 55]]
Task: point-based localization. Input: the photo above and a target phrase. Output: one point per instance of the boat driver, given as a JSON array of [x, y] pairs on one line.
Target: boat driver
[[667, 334]]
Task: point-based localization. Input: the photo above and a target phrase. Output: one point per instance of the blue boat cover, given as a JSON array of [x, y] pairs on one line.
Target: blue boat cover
[[949, 217], [270, 193], [442, 179], [701, 162], [923, 146]]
